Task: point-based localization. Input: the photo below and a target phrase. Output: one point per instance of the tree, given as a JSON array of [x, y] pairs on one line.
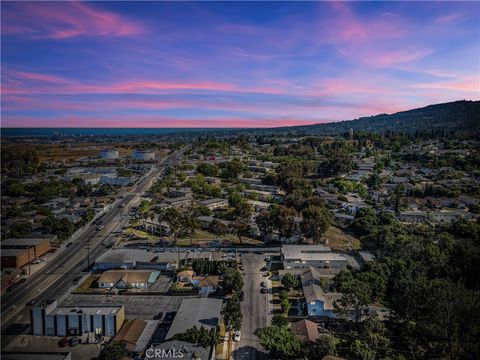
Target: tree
[[232, 169], [113, 351], [325, 345], [20, 229], [235, 199], [232, 281], [286, 306], [373, 181], [174, 221], [283, 295], [279, 320], [281, 342], [207, 169], [232, 313], [316, 220], [290, 281], [364, 222], [266, 222], [200, 336], [284, 219]]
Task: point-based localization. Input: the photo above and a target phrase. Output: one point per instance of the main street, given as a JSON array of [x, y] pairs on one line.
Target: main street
[[57, 276], [255, 308]]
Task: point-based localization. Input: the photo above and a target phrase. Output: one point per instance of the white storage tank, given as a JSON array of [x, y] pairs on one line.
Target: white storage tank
[[143, 155], [109, 154]]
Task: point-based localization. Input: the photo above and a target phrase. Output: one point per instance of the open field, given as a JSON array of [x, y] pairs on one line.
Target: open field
[[337, 239], [69, 153]]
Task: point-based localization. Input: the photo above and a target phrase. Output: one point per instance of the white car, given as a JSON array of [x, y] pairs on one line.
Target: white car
[[237, 336]]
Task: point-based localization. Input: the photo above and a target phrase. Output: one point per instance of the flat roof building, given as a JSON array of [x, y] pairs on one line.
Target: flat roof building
[[55, 320], [196, 312]]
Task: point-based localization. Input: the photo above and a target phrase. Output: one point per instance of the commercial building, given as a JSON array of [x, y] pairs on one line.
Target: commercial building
[[143, 155], [109, 154], [19, 252], [318, 256], [54, 320], [122, 259]]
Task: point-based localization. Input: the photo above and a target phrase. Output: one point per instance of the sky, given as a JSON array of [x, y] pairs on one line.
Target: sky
[[231, 64]]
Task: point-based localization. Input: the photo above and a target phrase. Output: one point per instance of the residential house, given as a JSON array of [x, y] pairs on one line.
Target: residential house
[[320, 304], [206, 284], [137, 335], [215, 203], [185, 276], [306, 330]]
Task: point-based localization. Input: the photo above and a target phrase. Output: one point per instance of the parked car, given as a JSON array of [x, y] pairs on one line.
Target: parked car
[[242, 296], [264, 268], [73, 341], [32, 302], [36, 261], [63, 342], [264, 290], [238, 335], [262, 284]]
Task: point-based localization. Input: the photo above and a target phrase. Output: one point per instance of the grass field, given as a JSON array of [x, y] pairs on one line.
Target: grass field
[[337, 239]]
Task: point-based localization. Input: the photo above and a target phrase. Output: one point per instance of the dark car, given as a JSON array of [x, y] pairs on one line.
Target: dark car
[[264, 268], [63, 342], [73, 342], [264, 290], [32, 302], [242, 296]]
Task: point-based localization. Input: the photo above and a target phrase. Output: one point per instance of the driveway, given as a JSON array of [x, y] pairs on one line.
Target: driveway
[[256, 309]]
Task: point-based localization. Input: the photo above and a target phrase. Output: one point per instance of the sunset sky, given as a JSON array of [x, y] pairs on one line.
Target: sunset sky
[[210, 64]]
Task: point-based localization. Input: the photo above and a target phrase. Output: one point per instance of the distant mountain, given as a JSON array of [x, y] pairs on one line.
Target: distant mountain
[[459, 116]]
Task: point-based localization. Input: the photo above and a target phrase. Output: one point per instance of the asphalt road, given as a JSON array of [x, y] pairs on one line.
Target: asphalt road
[[57, 277], [255, 309]]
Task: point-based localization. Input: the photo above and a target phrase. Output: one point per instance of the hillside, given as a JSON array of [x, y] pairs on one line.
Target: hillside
[[461, 116]]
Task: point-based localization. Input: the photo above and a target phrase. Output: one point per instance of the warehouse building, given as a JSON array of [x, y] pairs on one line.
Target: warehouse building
[[19, 252]]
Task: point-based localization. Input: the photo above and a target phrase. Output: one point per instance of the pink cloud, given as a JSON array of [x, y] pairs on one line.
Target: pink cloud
[[23, 82], [154, 121], [470, 85], [447, 19], [65, 20]]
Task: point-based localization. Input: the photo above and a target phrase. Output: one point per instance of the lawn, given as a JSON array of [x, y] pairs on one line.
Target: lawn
[[204, 237], [337, 239], [89, 284], [142, 235]]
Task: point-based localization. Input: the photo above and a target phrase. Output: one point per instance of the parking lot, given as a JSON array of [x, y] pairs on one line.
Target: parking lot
[[162, 284], [136, 306], [29, 343]]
